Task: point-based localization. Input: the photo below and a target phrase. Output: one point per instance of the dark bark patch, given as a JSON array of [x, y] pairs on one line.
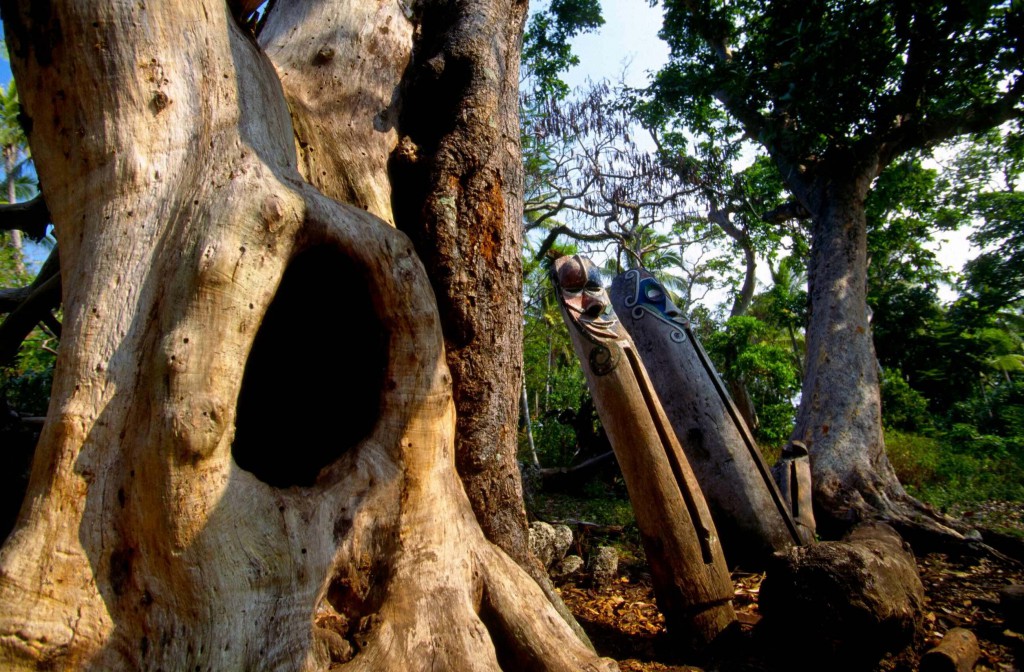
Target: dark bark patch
[[312, 385], [323, 56], [159, 102], [121, 569], [695, 442], [41, 31], [851, 600]]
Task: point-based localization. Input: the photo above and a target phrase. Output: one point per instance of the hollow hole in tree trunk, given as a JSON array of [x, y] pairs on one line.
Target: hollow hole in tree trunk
[[312, 384]]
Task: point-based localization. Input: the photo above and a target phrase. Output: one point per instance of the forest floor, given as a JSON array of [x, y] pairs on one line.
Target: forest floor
[[623, 621]]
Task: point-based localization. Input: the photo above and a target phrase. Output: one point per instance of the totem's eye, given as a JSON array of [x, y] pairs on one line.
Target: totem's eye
[[572, 276], [654, 294]]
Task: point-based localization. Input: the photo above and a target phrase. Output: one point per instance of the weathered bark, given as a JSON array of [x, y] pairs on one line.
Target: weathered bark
[[460, 152], [412, 114], [957, 652], [851, 601], [839, 418], [190, 248], [691, 579], [749, 512]]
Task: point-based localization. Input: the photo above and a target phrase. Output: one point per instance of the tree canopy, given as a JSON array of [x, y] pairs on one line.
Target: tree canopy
[[815, 82]]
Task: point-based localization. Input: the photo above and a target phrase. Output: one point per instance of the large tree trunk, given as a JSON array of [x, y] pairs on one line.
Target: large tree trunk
[[425, 133], [204, 494], [839, 418], [459, 164]]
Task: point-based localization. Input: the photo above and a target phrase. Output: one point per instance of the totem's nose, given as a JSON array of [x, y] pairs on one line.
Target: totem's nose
[[594, 305]]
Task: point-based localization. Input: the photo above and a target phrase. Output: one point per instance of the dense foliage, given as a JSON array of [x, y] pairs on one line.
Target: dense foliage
[[743, 71]]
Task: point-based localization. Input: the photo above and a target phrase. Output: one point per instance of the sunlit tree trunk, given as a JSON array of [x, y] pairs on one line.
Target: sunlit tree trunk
[[249, 458], [839, 418]]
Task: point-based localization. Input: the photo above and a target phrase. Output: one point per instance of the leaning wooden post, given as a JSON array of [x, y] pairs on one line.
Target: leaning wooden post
[[750, 512], [793, 474], [691, 579]]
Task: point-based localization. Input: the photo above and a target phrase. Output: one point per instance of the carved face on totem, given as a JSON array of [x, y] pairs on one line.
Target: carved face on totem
[[643, 291], [582, 293], [587, 307]]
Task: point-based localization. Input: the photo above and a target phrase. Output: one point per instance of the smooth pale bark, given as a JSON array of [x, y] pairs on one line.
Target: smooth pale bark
[[420, 127], [691, 579], [162, 136], [839, 419], [749, 511]]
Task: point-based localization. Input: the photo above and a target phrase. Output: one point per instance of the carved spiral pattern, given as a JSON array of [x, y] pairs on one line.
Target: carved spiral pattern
[[602, 360], [633, 291], [674, 333]]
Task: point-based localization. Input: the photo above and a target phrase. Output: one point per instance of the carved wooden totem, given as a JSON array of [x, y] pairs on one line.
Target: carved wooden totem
[[691, 578], [749, 511]]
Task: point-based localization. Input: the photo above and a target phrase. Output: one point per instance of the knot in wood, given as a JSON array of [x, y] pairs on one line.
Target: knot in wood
[[159, 102], [324, 55], [272, 212]]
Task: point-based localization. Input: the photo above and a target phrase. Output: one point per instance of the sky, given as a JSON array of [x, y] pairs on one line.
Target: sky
[[5, 66], [627, 42]]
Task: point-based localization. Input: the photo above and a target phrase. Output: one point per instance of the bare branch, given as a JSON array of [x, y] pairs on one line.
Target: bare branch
[[31, 217], [563, 230], [38, 299], [785, 213], [917, 132], [11, 298]]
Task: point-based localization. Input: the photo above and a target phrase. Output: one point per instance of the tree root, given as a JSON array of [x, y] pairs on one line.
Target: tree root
[[924, 528]]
